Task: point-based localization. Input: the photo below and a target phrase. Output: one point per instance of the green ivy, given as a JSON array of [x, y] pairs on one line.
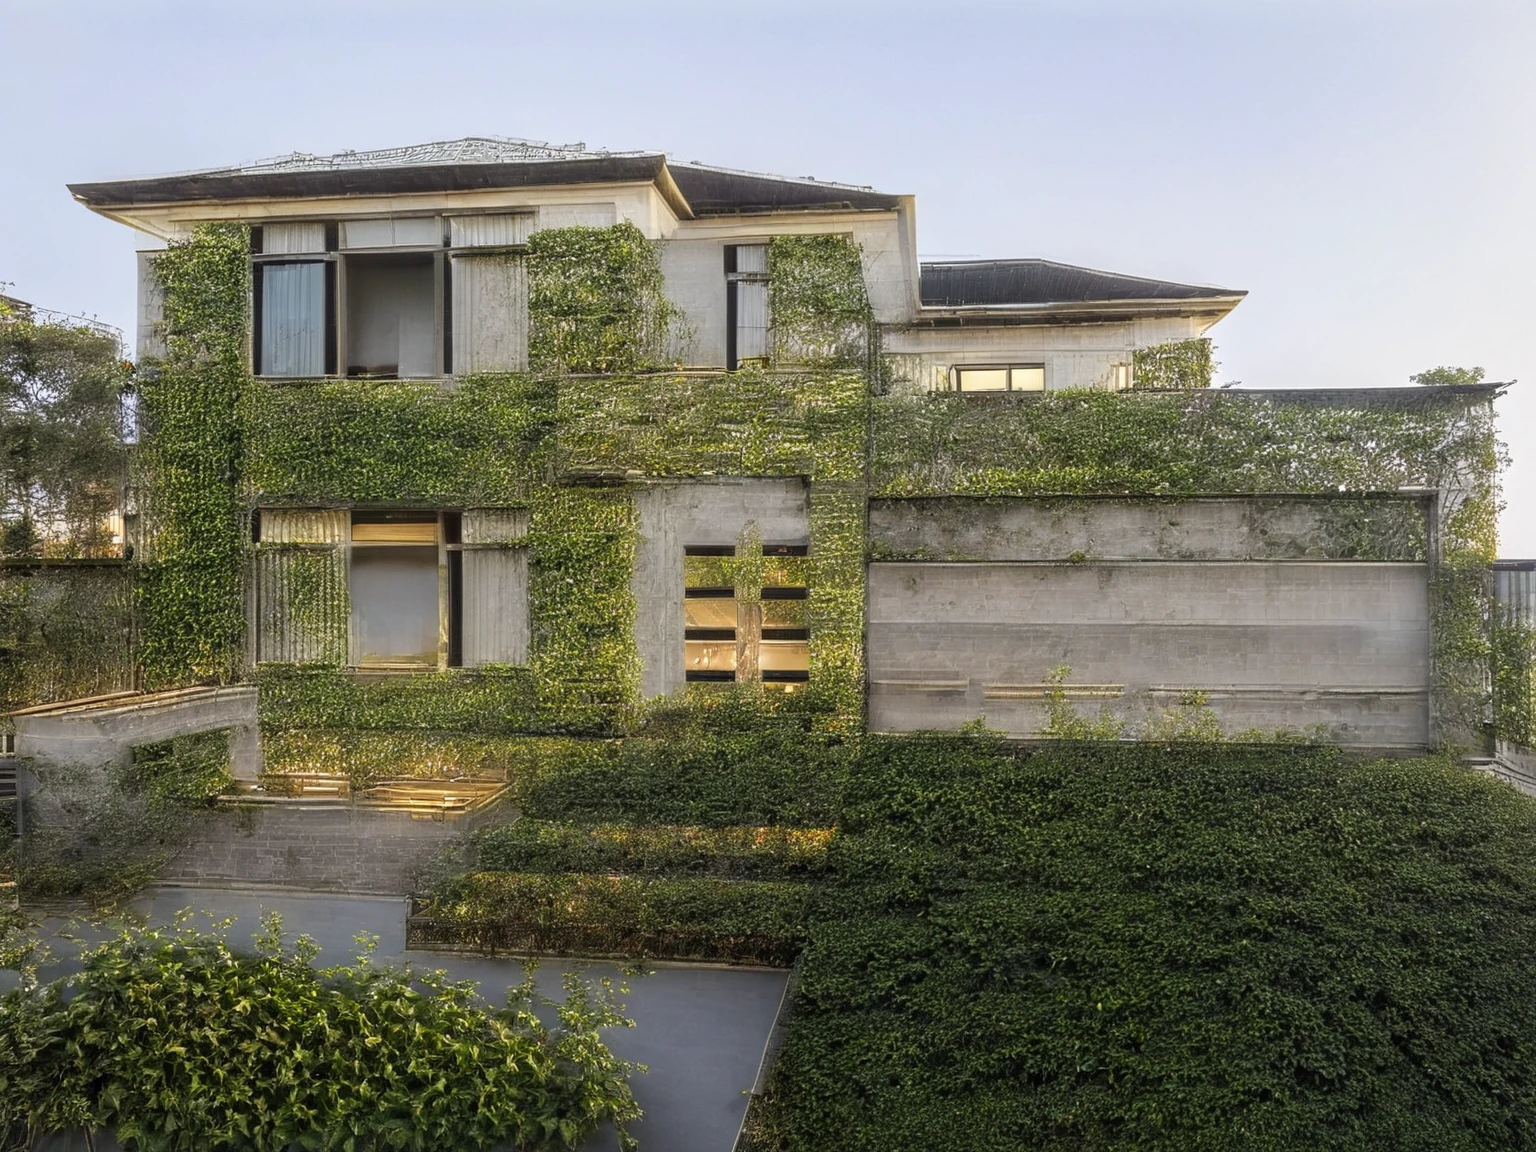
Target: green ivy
[[340, 442], [1178, 364], [1133, 946], [190, 587], [111, 829], [595, 301], [64, 634], [738, 852], [1514, 678], [585, 914], [819, 307]]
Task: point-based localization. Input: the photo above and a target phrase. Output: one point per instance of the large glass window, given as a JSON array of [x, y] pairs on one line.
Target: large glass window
[[401, 297], [998, 377]]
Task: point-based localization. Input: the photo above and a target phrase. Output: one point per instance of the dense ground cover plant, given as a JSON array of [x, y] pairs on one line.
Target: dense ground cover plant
[[585, 914], [739, 852], [1176, 947], [177, 1041]]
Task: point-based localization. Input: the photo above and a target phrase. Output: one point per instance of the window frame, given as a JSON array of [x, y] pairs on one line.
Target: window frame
[[733, 278], [956, 372], [752, 638], [335, 256]]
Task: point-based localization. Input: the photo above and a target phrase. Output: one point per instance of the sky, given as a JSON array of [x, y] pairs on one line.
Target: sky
[[1366, 169]]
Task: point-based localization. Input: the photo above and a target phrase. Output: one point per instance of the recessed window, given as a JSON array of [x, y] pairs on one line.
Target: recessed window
[[740, 634], [746, 305], [391, 317], [395, 298], [394, 583], [998, 378]]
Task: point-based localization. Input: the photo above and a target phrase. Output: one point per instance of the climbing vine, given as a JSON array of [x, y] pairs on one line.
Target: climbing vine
[[595, 301], [190, 591], [818, 303], [1177, 364]]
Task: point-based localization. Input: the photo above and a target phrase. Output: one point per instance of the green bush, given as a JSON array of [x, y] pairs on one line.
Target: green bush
[[1116, 947], [773, 776], [177, 1042], [739, 852], [585, 914]]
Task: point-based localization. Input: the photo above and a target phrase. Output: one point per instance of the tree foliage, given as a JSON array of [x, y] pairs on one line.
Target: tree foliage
[[62, 456], [1443, 376]]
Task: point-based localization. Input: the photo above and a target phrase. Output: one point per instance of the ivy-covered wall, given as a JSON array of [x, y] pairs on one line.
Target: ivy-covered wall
[[564, 443], [1215, 442]]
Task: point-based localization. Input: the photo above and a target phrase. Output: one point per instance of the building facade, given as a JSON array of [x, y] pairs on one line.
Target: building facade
[[514, 439]]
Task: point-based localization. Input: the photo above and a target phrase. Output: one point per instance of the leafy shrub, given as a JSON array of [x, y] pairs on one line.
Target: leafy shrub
[[178, 1042], [772, 776], [738, 852], [1105, 946], [587, 914]]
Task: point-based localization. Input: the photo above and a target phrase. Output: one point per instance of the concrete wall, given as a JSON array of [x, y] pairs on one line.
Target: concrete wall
[[1270, 643], [1075, 356], [1150, 528], [96, 735], [693, 262], [321, 848], [703, 512]]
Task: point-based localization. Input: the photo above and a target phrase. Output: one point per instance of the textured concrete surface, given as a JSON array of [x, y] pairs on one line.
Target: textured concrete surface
[[700, 1030], [95, 735], [1274, 644], [1147, 528], [340, 848], [703, 512]]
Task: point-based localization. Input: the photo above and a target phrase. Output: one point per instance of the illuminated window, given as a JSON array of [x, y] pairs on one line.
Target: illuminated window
[[998, 378], [1120, 377], [754, 634]]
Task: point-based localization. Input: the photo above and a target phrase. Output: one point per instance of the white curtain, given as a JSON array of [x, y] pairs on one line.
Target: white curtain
[[293, 319]]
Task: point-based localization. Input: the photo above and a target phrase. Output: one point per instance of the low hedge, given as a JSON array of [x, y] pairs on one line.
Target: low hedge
[[177, 1042], [758, 922], [1117, 947], [737, 852], [777, 776]]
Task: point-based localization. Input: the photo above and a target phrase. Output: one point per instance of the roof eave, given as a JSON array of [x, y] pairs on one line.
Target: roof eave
[[227, 187], [981, 314]]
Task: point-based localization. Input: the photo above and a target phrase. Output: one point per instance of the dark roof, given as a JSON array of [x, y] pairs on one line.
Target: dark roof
[[485, 162], [999, 283], [719, 191], [235, 184]]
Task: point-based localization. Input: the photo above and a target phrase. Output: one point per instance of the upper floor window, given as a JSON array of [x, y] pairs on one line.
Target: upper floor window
[[390, 298], [746, 304], [997, 378]]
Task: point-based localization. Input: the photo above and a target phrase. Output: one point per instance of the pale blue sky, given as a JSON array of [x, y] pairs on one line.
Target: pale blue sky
[[1366, 168]]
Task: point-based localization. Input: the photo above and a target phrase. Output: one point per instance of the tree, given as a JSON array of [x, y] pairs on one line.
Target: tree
[[62, 454], [1442, 377]]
